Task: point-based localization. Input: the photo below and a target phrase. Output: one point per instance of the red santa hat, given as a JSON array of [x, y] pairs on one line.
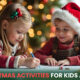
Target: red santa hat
[[70, 13]]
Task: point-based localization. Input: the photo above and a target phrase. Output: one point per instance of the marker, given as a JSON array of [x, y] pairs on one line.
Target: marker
[[32, 54]]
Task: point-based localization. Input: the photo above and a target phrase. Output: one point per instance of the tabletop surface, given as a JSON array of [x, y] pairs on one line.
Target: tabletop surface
[[43, 68]]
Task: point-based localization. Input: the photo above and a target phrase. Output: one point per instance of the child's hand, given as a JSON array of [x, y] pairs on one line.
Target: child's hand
[[51, 61], [30, 62], [64, 62]]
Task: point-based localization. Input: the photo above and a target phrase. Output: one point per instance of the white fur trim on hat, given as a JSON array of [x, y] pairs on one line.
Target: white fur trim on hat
[[67, 17]]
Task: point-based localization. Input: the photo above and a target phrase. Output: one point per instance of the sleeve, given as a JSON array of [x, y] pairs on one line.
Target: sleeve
[[75, 60], [7, 61], [44, 52], [1, 47]]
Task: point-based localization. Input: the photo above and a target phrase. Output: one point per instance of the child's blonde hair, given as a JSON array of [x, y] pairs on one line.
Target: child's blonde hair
[[6, 15]]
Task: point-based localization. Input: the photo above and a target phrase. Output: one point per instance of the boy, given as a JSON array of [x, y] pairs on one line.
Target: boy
[[64, 48]]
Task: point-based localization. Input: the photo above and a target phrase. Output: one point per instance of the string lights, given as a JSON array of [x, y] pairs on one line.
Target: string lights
[[2, 4], [41, 6]]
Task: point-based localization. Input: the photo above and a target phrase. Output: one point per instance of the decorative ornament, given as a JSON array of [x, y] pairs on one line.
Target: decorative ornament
[[52, 10], [29, 7], [44, 17], [39, 32], [53, 29], [31, 11], [36, 4], [10, 2], [41, 6], [43, 39], [3, 2], [45, 1]]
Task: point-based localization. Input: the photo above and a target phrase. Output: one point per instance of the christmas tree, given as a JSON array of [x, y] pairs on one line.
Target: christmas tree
[[42, 29]]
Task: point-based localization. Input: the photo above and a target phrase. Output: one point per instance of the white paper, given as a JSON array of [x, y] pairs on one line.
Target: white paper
[[54, 67]]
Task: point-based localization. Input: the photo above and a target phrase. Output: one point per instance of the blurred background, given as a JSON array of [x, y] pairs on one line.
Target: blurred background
[[41, 11]]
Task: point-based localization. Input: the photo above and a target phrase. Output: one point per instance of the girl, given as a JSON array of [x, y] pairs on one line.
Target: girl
[[64, 48], [15, 21]]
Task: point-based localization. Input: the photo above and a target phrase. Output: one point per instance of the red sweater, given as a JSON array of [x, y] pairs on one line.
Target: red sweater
[[44, 52], [9, 61]]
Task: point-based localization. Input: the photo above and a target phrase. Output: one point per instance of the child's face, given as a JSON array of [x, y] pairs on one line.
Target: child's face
[[15, 31], [64, 32]]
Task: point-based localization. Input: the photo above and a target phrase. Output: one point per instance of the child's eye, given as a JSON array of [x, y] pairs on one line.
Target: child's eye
[[66, 30], [19, 32], [57, 29]]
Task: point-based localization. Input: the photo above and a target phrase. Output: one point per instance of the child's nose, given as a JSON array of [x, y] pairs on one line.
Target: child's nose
[[61, 33], [21, 37]]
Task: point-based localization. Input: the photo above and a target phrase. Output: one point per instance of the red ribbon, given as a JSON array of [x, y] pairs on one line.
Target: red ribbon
[[19, 12]]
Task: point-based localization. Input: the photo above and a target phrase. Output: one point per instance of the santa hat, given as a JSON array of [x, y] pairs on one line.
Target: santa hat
[[70, 13]]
